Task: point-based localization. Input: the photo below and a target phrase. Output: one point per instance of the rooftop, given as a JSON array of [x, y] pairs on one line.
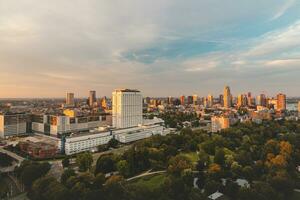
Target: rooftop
[[127, 90]]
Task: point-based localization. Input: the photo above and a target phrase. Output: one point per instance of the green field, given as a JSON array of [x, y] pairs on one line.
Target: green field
[[192, 156], [151, 182]]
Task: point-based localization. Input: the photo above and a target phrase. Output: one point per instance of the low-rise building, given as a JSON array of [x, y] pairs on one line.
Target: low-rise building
[[60, 124], [38, 149], [219, 122], [84, 142]]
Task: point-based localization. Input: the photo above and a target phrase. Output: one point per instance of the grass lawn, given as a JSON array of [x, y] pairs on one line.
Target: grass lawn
[[192, 156], [151, 182]]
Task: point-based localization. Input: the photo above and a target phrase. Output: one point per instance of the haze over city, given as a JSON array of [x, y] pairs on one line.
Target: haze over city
[[168, 47]]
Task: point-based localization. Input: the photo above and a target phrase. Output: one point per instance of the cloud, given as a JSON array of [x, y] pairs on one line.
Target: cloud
[[56, 45], [283, 9], [284, 63], [279, 41]]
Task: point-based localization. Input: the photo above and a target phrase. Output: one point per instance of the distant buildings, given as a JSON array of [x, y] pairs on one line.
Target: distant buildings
[[242, 100], [219, 122], [261, 100], [70, 99], [281, 102], [92, 98], [182, 100], [195, 99], [190, 100], [227, 97], [210, 101], [127, 108]]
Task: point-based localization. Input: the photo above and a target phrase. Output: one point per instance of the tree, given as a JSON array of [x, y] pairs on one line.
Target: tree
[[212, 186], [32, 172], [113, 188], [123, 168], [5, 160], [178, 164], [113, 143], [66, 175], [65, 162], [203, 161], [220, 157], [105, 164], [48, 188], [99, 181], [231, 189], [84, 161], [283, 184]]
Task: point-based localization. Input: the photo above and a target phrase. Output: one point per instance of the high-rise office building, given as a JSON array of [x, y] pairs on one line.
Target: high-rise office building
[[182, 100], [210, 101], [281, 102], [221, 99], [190, 100], [70, 99], [261, 100], [249, 99], [127, 108], [227, 97], [242, 100], [195, 99], [92, 98], [170, 100]]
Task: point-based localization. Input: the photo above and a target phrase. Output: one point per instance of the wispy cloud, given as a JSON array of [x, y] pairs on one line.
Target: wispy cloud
[[283, 9]]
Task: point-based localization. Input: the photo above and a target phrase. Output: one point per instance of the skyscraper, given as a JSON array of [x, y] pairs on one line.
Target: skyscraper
[[190, 100], [281, 102], [261, 100], [170, 100], [92, 98], [195, 99], [227, 97], [127, 108], [182, 100], [242, 100], [210, 101], [70, 99]]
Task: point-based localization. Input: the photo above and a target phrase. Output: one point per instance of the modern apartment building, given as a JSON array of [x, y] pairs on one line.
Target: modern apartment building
[[127, 108], [14, 124]]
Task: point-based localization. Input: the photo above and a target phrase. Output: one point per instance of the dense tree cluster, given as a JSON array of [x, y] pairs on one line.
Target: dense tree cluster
[[5, 160], [30, 171], [175, 119], [265, 155]]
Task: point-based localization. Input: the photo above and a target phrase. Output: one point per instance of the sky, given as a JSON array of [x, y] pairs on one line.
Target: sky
[[161, 47]]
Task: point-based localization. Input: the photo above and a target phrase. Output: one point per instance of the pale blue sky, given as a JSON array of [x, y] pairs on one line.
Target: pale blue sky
[[162, 47]]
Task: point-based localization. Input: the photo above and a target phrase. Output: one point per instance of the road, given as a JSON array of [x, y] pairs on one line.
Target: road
[[11, 154], [147, 173]]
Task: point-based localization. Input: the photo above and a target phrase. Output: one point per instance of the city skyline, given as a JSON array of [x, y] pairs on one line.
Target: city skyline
[[48, 49]]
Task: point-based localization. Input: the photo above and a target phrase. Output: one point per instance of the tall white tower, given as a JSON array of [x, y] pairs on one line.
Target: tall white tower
[[127, 108]]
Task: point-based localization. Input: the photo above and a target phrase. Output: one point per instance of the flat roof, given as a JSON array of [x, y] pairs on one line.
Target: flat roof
[[127, 90]]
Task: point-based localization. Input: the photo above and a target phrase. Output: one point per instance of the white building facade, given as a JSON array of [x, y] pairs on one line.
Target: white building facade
[[127, 108]]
